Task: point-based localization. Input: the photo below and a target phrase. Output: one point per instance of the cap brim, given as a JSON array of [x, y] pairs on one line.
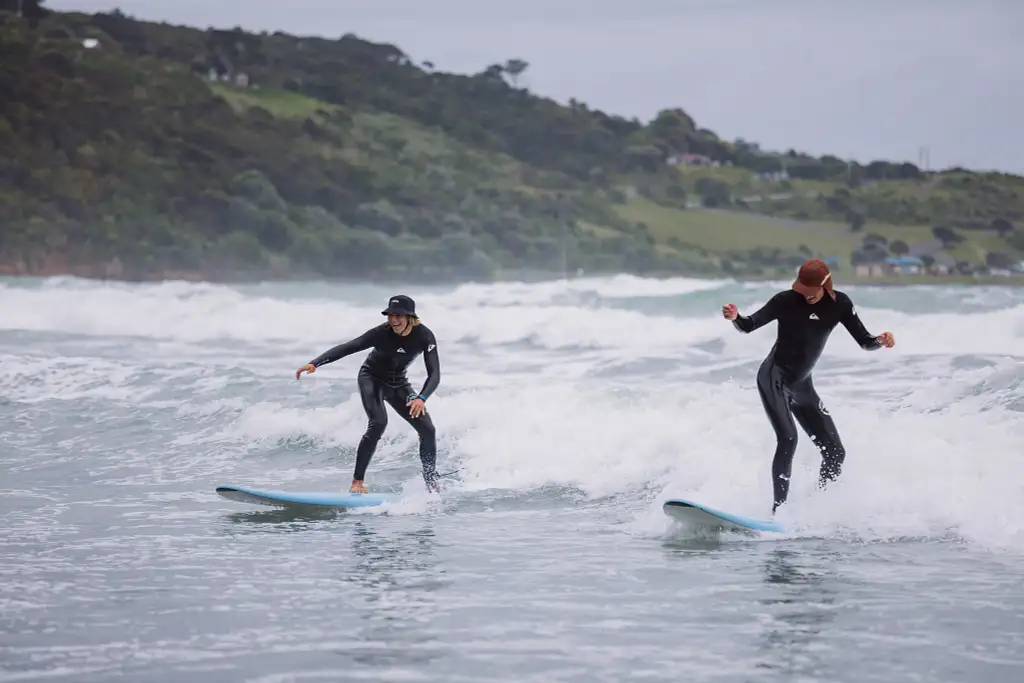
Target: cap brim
[[397, 311], [811, 290]]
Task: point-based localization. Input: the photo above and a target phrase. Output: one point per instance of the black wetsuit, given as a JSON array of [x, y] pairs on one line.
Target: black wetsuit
[[382, 378], [784, 378]]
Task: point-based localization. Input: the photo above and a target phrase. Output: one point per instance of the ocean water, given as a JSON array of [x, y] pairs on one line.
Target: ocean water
[[571, 410]]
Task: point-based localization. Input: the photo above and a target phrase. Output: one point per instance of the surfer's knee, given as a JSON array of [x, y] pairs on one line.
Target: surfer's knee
[[375, 427], [786, 437], [424, 426], [784, 451]]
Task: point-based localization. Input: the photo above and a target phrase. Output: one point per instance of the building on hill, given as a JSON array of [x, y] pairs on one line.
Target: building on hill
[[771, 176], [870, 270], [870, 262], [220, 69], [691, 160], [898, 265], [944, 265]]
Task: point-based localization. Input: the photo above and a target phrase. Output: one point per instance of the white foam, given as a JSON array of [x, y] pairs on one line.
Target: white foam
[[934, 428], [495, 314]]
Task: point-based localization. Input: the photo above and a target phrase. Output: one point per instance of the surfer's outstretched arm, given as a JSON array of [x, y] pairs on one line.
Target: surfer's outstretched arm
[[433, 365], [762, 316], [360, 343], [855, 326]]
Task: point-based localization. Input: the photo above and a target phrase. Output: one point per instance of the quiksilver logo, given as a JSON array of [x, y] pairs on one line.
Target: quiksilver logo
[[813, 316], [430, 348]]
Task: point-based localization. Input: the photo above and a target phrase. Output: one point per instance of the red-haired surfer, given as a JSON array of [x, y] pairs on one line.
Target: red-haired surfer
[[807, 313]]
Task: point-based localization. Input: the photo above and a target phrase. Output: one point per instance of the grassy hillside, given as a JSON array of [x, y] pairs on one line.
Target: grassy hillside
[[160, 149]]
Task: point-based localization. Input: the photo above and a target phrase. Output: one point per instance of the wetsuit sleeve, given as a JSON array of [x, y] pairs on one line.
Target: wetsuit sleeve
[[433, 363], [855, 326], [762, 316], [360, 343]]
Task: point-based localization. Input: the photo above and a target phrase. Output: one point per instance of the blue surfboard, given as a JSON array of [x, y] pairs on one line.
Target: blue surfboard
[[699, 515], [334, 499]]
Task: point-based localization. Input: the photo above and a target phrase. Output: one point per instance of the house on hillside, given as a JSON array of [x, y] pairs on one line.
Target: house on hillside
[[904, 265], [943, 265], [220, 69], [690, 160], [869, 270], [240, 79], [771, 176]]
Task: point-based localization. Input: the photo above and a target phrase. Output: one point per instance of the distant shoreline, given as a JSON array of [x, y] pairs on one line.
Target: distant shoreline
[[252, 278], [914, 280]]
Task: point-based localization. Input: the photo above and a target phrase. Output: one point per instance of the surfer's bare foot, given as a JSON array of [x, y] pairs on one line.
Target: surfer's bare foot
[[357, 487]]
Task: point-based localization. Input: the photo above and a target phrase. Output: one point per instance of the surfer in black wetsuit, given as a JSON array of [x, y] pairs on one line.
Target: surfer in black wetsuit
[[381, 378], [806, 318]]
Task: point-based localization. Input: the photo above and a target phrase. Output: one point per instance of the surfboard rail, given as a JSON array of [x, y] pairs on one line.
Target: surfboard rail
[[696, 513], [279, 498]]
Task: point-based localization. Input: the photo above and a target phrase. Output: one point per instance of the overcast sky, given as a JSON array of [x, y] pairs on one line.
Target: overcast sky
[[861, 79]]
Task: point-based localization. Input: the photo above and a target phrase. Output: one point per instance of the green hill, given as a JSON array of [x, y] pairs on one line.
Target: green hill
[[144, 150]]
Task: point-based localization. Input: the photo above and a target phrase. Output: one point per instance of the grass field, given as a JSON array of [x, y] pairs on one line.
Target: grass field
[[1012, 281], [720, 231], [283, 103], [980, 243]]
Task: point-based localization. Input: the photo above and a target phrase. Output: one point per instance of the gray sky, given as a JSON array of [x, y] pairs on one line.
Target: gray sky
[[862, 79]]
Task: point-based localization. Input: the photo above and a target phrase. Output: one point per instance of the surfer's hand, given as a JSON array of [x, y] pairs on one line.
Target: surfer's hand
[[308, 367], [730, 312], [416, 407], [886, 339]]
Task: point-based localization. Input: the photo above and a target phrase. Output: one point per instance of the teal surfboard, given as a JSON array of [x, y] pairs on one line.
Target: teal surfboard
[[695, 514], [334, 499]]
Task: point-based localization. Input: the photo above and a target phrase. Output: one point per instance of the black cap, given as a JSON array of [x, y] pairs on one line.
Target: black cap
[[401, 305]]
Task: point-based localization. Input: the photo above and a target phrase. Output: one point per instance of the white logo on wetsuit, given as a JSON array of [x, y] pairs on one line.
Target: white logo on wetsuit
[[813, 316], [401, 350], [822, 408], [430, 348]]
